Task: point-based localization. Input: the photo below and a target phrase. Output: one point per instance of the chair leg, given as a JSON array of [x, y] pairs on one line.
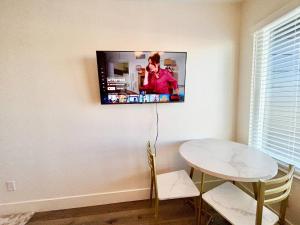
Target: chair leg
[[156, 208], [201, 192], [283, 207], [260, 203], [151, 189], [196, 203]]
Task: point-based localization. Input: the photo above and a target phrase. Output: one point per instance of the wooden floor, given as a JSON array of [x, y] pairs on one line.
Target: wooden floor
[[174, 212]]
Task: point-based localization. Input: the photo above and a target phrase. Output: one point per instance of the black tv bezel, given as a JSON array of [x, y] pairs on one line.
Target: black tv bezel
[[137, 103]]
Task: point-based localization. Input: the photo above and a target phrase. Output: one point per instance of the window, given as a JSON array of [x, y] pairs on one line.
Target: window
[[275, 103]]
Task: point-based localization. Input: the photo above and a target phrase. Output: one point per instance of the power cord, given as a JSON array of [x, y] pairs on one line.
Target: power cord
[[157, 119]]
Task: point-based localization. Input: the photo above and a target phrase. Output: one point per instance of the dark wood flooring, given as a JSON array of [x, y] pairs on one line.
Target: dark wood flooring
[[173, 212]]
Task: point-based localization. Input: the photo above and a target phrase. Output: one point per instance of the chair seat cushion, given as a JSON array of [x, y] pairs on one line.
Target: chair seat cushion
[[175, 185], [237, 206]]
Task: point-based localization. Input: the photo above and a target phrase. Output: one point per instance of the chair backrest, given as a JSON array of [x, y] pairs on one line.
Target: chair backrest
[[278, 189], [273, 191]]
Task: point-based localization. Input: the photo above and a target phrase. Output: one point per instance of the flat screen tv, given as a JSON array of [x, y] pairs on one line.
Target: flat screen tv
[[131, 77]]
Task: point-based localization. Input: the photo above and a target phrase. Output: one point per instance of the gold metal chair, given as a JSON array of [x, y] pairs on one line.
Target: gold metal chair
[[240, 208], [172, 185]]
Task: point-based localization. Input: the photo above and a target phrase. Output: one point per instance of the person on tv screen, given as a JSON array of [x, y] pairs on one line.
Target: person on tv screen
[[158, 80]]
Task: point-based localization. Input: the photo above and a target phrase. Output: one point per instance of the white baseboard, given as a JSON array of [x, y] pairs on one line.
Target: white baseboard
[[67, 202], [76, 201], [93, 199]]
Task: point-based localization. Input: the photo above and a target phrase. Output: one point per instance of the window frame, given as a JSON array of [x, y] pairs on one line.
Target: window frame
[[267, 24]]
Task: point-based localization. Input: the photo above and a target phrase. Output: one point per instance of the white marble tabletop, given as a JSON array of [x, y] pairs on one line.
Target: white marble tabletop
[[228, 160]]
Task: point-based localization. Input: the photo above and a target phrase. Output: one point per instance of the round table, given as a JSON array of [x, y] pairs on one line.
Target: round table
[[228, 160]]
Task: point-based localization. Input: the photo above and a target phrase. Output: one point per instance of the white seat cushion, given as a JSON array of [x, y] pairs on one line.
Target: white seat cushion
[[175, 185], [237, 206]]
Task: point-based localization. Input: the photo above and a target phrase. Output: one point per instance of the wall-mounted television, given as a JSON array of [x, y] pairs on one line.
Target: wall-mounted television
[[132, 77]]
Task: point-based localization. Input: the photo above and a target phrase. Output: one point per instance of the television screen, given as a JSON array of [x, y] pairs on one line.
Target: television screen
[[128, 77]]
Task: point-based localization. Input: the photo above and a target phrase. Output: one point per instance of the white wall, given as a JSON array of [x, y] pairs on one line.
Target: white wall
[[255, 14], [61, 146]]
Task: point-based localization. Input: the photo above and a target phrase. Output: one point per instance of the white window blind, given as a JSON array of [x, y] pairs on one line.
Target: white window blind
[[275, 103]]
